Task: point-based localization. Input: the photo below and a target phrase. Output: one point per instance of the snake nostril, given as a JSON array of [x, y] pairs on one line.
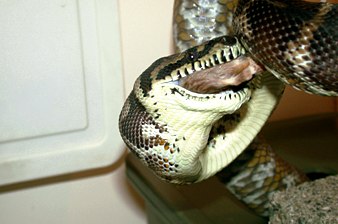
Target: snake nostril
[[228, 40]]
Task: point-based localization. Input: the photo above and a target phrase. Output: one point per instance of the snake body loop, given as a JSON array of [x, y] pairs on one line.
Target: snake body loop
[[198, 21], [296, 41]]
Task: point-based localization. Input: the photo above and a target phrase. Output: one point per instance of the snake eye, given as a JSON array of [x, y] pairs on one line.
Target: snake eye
[[192, 55]]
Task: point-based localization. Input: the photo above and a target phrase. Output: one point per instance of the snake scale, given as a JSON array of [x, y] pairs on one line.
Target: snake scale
[[187, 119]]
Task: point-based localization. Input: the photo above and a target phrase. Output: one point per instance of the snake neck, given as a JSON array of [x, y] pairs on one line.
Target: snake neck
[[233, 133]]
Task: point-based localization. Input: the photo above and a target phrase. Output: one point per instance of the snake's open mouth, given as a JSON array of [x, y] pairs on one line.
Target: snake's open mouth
[[215, 70], [221, 77], [209, 65]]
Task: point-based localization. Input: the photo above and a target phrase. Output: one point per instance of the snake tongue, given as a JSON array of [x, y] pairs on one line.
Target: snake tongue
[[221, 77]]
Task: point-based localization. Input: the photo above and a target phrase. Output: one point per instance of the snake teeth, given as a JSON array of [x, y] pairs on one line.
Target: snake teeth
[[220, 56], [198, 65]]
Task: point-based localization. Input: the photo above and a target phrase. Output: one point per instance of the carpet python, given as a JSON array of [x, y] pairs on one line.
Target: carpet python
[[193, 113]]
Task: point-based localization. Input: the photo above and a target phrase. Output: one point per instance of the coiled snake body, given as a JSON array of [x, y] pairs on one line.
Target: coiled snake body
[[186, 128], [295, 40]]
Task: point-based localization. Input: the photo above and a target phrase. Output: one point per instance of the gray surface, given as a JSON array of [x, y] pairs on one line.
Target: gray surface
[[311, 202]]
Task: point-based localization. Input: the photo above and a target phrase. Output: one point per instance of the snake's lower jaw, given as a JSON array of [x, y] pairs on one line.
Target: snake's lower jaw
[[170, 134], [188, 119]]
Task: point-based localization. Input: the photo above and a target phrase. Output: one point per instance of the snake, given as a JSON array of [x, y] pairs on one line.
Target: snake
[[194, 113]]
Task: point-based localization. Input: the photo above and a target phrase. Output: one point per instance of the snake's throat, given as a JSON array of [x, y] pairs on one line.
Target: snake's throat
[[221, 77]]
